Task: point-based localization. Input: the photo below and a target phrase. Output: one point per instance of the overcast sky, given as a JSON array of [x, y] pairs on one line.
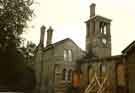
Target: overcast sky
[[67, 18]]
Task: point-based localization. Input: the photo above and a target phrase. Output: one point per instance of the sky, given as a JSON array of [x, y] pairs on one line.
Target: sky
[[67, 18]]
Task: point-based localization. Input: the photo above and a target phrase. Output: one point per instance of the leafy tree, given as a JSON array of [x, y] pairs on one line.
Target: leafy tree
[[28, 52], [14, 15]]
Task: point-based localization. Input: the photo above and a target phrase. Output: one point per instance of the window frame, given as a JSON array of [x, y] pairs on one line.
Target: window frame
[[68, 55]]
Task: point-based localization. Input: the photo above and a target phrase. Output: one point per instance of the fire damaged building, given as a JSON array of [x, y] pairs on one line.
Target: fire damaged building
[[63, 67]]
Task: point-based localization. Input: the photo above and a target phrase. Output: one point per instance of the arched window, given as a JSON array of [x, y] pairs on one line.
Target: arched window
[[105, 30], [65, 55], [101, 28], [64, 74], [56, 71], [70, 55], [70, 75]]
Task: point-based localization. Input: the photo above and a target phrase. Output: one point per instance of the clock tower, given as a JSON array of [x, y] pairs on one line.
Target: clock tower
[[98, 36]]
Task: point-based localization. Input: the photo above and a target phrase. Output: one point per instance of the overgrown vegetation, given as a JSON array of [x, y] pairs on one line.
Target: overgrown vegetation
[[14, 14]]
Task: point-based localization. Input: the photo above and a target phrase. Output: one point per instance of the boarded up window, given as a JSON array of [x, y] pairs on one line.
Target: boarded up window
[[76, 79], [120, 75]]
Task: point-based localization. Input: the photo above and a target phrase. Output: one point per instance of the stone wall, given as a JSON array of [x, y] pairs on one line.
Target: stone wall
[[130, 71], [102, 68], [50, 63]]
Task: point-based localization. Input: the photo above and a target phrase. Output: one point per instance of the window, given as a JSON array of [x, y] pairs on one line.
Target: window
[[104, 40], [101, 27], [90, 74], [64, 74], [65, 55], [76, 79], [101, 30], [68, 55], [105, 29], [120, 75], [70, 75], [103, 68]]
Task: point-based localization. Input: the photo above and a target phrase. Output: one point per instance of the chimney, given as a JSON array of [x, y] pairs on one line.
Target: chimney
[[42, 34], [49, 36], [92, 9]]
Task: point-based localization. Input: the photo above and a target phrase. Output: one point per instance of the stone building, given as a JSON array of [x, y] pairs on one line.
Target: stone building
[[55, 63], [101, 72], [129, 62], [63, 67], [114, 74], [98, 37]]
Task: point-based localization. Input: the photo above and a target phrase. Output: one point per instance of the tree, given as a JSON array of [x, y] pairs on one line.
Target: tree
[[14, 15], [28, 52]]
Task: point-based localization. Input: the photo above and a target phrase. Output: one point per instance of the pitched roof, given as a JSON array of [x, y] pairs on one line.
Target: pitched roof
[[58, 43], [129, 48]]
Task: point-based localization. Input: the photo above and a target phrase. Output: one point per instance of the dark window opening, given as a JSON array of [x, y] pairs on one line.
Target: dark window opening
[[64, 74]]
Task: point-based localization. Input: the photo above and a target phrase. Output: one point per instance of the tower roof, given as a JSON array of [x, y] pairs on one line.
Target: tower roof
[[100, 18]]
